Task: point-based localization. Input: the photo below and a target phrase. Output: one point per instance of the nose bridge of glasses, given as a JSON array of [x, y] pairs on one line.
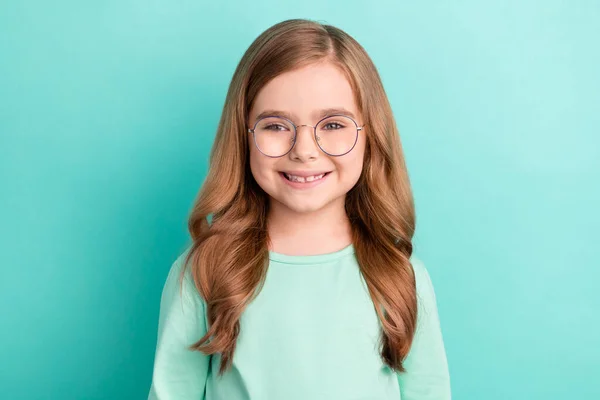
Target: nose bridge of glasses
[[298, 126], [311, 131]]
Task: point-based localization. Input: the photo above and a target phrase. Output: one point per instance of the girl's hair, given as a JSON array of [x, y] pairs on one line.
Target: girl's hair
[[229, 255]]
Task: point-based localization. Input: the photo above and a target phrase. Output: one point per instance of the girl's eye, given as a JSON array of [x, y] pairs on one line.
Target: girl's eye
[[336, 125], [274, 127]]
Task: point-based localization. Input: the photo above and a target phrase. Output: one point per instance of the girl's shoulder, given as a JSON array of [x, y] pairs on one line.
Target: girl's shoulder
[[179, 263], [424, 284], [174, 286], [421, 272]]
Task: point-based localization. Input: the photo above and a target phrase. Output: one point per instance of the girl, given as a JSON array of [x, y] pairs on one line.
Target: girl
[[303, 284]]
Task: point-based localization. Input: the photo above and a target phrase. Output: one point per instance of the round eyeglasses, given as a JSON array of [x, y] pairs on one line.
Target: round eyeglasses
[[335, 135]]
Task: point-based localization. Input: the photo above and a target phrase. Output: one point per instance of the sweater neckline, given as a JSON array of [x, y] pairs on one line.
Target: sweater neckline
[[313, 258]]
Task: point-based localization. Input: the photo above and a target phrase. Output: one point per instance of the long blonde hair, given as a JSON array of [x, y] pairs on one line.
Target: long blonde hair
[[229, 255]]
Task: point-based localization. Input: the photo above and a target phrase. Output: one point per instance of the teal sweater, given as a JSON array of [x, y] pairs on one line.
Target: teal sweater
[[311, 334]]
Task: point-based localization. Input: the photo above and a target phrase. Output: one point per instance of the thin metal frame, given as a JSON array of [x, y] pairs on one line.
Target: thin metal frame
[[358, 128]]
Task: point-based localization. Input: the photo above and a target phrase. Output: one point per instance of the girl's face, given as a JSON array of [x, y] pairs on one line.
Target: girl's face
[[303, 94]]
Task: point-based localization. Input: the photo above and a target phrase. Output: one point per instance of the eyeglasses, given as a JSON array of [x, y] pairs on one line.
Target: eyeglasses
[[335, 135]]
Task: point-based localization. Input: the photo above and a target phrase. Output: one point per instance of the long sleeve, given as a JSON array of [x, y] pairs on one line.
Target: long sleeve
[[179, 373], [426, 376]]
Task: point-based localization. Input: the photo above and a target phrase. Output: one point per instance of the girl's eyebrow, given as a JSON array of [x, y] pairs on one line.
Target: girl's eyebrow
[[317, 114]]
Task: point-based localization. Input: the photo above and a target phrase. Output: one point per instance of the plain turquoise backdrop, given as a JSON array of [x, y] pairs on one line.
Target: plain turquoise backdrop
[[107, 114]]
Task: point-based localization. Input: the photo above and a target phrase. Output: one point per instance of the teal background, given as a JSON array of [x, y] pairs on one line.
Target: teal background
[[107, 114]]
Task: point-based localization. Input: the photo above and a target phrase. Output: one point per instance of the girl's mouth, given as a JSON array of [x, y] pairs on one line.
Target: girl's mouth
[[300, 182]]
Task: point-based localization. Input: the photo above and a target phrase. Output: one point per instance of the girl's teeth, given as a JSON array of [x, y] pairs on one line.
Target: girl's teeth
[[302, 179]]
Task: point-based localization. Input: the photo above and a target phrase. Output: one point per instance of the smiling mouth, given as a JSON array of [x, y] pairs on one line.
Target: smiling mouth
[[301, 179]]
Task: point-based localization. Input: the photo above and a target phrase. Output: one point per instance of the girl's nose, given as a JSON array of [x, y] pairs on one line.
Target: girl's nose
[[306, 146]]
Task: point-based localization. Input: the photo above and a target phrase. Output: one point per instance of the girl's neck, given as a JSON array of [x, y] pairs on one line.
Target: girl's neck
[[320, 232]]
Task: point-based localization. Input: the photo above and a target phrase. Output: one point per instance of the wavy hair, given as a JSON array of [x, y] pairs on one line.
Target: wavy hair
[[229, 254]]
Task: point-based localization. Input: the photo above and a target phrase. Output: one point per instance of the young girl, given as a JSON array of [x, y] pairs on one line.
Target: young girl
[[303, 284]]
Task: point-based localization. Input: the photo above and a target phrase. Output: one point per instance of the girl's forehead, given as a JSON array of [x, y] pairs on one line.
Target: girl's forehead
[[323, 79], [307, 92]]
